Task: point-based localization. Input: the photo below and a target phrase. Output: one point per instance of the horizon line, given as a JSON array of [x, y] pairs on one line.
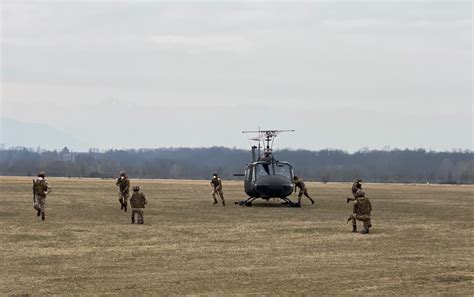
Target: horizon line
[[104, 150]]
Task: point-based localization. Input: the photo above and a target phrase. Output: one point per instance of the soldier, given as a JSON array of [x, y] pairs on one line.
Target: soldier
[[41, 190], [216, 184], [361, 212], [355, 186], [303, 190], [124, 187], [138, 202], [267, 156]]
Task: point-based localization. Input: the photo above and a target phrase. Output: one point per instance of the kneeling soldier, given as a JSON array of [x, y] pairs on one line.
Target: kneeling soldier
[[41, 189], [138, 202], [361, 212]]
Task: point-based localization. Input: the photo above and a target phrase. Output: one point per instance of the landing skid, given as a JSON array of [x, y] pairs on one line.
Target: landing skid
[[248, 202]]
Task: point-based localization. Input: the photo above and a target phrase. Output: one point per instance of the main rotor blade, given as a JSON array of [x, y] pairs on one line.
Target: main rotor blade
[[271, 131]]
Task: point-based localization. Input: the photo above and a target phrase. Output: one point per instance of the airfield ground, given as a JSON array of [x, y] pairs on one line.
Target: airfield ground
[[421, 242]]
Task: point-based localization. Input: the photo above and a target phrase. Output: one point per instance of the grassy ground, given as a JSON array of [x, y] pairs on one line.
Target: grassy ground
[[420, 243]]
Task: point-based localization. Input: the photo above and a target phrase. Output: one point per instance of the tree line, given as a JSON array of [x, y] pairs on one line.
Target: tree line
[[402, 166]]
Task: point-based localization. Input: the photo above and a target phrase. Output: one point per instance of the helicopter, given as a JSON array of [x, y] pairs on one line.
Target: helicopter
[[266, 177]]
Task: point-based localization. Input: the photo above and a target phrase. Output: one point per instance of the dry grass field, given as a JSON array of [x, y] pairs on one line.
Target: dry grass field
[[420, 243]]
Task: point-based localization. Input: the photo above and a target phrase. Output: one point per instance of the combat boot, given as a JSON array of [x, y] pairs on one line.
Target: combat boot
[[348, 199], [121, 203], [125, 207], [354, 228], [312, 201], [43, 218], [38, 212], [297, 204], [133, 220], [223, 203], [215, 202], [365, 231]]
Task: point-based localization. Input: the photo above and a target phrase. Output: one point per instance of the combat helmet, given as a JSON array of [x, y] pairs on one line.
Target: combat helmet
[[41, 174], [122, 173], [136, 188], [360, 193]]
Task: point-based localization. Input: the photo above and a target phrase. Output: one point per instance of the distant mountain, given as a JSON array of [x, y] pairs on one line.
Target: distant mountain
[[15, 133]]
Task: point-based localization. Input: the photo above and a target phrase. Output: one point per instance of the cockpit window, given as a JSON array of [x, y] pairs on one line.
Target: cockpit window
[[263, 169], [283, 169], [271, 169], [248, 174]]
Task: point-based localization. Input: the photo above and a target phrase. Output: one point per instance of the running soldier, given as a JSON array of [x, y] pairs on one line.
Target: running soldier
[[303, 190], [216, 184], [124, 189], [41, 189], [355, 186], [361, 212], [138, 202]]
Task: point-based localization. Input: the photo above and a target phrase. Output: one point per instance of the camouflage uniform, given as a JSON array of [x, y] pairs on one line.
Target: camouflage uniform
[[138, 202], [266, 157], [216, 184], [41, 190], [124, 190], [303, 190], [361, 212], [355, 186]]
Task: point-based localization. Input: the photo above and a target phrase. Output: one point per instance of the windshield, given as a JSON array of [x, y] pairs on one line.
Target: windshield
[[283, 169], [263, 169], [267, 169]]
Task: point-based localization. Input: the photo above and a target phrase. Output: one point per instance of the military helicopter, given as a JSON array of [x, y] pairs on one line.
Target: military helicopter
[[265, 177]]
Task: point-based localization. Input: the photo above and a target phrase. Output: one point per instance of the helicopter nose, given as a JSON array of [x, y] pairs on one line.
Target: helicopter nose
[[274, 186]]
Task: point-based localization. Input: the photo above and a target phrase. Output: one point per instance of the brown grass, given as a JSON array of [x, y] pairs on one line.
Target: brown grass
[[421, 242]]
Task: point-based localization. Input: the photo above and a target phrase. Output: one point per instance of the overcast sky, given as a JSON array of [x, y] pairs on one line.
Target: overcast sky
[[346, 75]]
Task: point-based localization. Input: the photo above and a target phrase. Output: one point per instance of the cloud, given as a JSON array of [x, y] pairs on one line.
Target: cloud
[[308, 61], [201, 43]]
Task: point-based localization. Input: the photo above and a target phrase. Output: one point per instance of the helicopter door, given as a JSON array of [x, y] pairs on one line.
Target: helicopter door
[[248, 174], [249, 182]]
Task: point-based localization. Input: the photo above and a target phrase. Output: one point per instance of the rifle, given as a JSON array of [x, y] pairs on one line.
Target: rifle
[[34, 196], [349, 219]]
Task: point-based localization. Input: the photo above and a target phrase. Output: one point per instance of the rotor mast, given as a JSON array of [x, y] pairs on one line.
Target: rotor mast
[[267, 137]]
